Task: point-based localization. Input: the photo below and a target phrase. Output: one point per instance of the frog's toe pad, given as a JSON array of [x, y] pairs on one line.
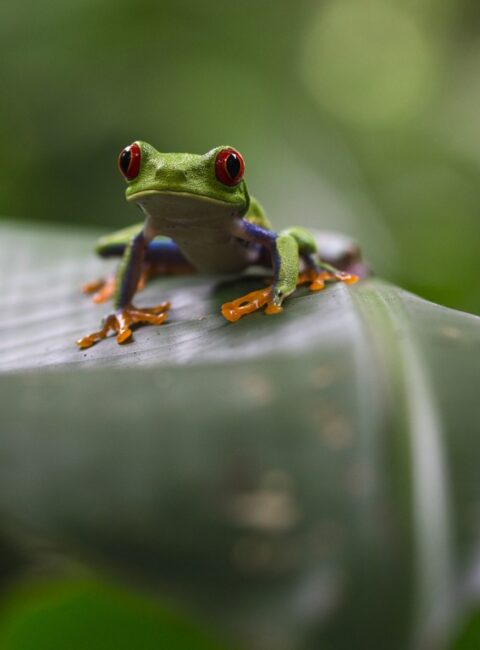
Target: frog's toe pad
[[253, 301], [122, 321], [102, 289], [318, 279]]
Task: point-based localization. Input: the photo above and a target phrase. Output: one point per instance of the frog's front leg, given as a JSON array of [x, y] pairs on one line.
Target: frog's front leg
[[162, 257], [284, 252], [286, 249], [114, 245], [125, 314]]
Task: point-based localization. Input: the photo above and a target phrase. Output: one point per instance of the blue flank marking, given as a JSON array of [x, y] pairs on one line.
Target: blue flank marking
[[157, 251], [166, 252]]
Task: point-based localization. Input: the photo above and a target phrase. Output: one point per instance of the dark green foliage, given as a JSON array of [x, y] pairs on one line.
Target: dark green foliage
[[76, 615]]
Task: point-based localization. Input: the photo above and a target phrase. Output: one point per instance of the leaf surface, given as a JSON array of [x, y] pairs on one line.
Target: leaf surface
[[307, 480]]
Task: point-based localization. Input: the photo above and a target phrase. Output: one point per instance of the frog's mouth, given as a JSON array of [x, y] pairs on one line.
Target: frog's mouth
[[142, 194], [184, 207]]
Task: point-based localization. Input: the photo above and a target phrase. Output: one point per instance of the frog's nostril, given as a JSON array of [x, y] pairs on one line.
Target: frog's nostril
[[172, 175]]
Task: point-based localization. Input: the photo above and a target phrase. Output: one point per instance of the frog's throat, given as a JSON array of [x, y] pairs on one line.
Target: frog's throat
[[138, 196]]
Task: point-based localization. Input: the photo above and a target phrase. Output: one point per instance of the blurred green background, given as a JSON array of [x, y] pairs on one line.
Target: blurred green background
[[355, 115], [358, 115]]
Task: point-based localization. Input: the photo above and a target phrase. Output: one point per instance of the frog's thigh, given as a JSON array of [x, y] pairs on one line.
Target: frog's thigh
[[304, 238], [115, 243], [338, 249]]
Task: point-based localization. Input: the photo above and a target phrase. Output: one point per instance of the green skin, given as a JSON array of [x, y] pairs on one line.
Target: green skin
[[217, 228]]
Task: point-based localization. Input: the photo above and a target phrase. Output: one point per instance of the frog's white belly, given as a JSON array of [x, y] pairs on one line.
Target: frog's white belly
[[201, 227]]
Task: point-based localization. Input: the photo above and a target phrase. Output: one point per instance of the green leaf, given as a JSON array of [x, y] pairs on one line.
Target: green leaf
[[80, 614], [307, 480], [468, 636]]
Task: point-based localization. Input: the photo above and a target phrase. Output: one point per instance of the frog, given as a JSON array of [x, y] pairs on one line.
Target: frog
[[200, 217]]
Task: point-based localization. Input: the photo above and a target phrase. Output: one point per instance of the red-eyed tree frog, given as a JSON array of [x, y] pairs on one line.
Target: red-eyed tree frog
[[200, 217]]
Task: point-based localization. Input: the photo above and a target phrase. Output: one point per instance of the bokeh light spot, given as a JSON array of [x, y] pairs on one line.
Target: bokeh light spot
[[368, 62]]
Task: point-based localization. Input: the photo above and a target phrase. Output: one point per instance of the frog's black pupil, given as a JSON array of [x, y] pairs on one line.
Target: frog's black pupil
[[233, 165], [125, 158]]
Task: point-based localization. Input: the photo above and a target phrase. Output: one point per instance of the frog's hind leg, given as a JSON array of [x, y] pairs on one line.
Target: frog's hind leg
[[317, 273], [317, 270], [115, 243], [313, 270], [341, 252]]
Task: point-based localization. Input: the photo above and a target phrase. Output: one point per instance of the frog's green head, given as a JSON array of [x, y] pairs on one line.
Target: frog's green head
[[216, 176]]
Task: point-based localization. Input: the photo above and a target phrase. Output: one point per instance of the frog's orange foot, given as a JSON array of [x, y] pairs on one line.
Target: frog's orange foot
[[104, 289], [253, 301], [318, 279], [122, 321]]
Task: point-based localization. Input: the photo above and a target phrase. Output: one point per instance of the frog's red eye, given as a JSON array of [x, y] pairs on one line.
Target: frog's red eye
[[129, 161], [229, 167]]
